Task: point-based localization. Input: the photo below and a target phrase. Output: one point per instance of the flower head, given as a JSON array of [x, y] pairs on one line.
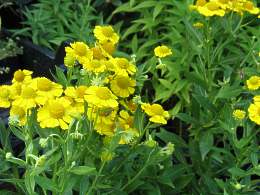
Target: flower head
[[162, 51], [253, 83], [122, 86], [123, 66], [27, 98], [18, 113], [239, 114], [22, 76], [5, 100], [156, 112], [254, 112], [56, 113], [101, 97], [106, 34]]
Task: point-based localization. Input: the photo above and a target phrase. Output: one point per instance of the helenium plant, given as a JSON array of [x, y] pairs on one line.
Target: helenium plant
[[89, 132]]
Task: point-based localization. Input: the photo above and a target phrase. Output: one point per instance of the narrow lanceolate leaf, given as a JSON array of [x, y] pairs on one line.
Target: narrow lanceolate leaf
[[83, 170], [205, 144], [46, 183]]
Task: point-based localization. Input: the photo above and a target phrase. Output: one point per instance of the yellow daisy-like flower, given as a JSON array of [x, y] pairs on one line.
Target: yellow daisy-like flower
[[22, 76], [211, 8], [15, 90], [56, 113], [106, 34], [162, 51], [253, 83], [105, 129], [109, 47], [96, 66], [254, 112], [77, 96], [156, 112], [104, 116], [19, 113], [5, 100], [129, 105], [97, 53], [239, 114], [123, 66], [101, 97], [46, 89], [122, 86], [126, 122], [80, 51], [27, 99], [249, 7]]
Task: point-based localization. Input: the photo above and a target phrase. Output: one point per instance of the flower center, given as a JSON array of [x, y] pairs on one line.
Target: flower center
[[44, 84], [123, 82], [18, 111], [4, 93], [157, 109], [28, 92], [249, 5], [254, 81], [19, 76], [56, 110], [108, 47], [80, 91], [107, 31], [80, 49], [212, 6], [201, 3], [103, 93], [122, 63], [97, 53]]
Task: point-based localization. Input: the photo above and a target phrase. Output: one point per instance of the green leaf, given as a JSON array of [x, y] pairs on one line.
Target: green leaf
[[158, 8], [46, 183], [205, 144], [227, 92], [83, 170]]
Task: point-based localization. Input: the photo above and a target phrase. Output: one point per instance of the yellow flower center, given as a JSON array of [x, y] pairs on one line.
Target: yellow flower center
[[108, 47], [44, 84], [97, 53], [157, 109], [56, 110], [123, 82], [80, 91], [18, 111], [249, 5], [19, 76], [122, 63], [4, 93], [103, 93], [212, 6], [80, 49], [107, 31], [28, 92]]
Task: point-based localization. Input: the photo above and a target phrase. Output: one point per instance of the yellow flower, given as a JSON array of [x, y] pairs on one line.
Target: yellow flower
[[108, 47], [97, 53], [5, 100], [156, 112], [69, 60], [96, 66], [162, 51], [15, 90], [27, 99], [254, 112], [122, 86], [249, 7], [129, 105], [210, 9], [257, 98], [123, 66], [106, 34], [101, 97], [239, 114], [46, 89], [80, 51], [18, 112], [126, 122], [198, 25], [76, 95], [105, 129], [253, 83], [22, 76], [56, 113]]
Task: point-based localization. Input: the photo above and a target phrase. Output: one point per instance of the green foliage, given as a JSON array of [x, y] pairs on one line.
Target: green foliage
[[205, 78], [50, 22]]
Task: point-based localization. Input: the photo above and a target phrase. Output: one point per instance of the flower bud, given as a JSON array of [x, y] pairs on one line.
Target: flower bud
[[41, 160], [8, 155], [43, 142]]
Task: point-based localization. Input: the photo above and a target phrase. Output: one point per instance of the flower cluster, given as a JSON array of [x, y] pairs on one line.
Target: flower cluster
[[210, 8], [108, 94]]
